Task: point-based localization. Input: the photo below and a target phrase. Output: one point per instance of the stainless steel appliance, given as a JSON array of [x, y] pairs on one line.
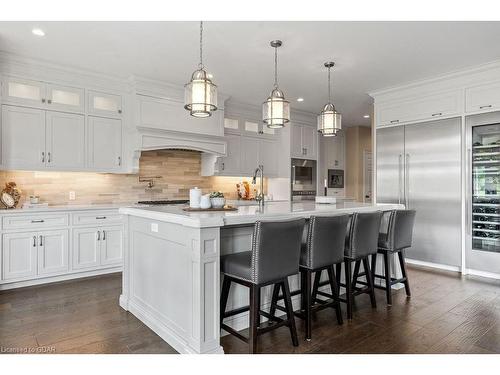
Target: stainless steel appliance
[[336, 178], [420, 166], [303, 181]]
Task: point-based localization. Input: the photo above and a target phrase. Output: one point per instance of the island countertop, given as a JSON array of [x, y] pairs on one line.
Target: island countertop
[[248, 214]]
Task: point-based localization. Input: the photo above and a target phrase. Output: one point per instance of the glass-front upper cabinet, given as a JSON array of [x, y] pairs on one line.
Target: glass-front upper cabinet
[[65, 98], [103, 104], [23, 91], [486, 187]]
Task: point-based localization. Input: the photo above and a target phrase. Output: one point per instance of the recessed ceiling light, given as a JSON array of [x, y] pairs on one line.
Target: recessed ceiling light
[[300, 99], [366, 116], [38, 32]]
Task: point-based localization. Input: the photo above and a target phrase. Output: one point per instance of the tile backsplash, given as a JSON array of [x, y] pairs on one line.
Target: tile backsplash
[[179, 171]]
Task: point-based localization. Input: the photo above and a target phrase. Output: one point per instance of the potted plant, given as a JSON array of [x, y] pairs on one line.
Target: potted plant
[[217, 199]]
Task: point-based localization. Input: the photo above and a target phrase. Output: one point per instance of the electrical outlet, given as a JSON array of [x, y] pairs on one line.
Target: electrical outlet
[[154, 227], [72, 196]]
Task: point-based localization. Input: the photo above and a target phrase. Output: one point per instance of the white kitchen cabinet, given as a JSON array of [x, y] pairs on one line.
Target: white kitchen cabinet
[[23, 91], [230, 164], [267, 157], [23, 137], [65, 98], [86, 248], [105, 143], [53, 251], [482, 98], [19, 255], [249, 155], [104, 104], [111, 245], [333, 149], [303, 142], [65, 140]]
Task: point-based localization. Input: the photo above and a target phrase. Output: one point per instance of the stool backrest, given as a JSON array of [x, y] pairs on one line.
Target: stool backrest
[[325, 241], [276, 249], [400, 229], [363, 233]]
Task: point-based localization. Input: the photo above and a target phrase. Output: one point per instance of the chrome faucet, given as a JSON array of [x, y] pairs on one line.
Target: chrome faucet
[[260, 197]]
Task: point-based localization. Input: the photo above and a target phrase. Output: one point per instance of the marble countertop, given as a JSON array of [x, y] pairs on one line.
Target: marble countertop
[[248, 214], [65, 207]]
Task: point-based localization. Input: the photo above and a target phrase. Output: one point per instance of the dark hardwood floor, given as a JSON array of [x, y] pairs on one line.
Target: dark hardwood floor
[[446, 314]]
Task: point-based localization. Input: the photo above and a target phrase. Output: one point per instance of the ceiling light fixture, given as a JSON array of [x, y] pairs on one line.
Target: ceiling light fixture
[[200, 94], [276, 110], [38, 32], [329, 120], [300, 99]]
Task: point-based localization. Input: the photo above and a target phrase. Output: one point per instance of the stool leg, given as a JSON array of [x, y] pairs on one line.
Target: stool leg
[[338, 272], [348, 287], [387, 266], [402, 263], [374, 267], [355, 274], [369, 280], [317, 279], [335, 292], [254, 318], [289, 312], [274, 299], [307, 294], [226, 285]]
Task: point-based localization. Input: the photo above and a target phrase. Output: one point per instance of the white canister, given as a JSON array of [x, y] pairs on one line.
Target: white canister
[[205, 201], [194, 197]]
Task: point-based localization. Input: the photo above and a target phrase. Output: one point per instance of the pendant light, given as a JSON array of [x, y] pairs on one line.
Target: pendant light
[[276, 110], [200, 94], [329, 120]]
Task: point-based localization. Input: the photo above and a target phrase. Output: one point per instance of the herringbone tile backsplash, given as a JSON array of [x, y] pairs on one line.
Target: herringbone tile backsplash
[[180, 171]]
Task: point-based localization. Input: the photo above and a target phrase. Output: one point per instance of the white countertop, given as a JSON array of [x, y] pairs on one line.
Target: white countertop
[[249, 214], [63, 207]]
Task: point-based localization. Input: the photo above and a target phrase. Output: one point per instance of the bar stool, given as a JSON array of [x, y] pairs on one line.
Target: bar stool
[[395, 239], [361, 242], [274, 256], [322, 248]]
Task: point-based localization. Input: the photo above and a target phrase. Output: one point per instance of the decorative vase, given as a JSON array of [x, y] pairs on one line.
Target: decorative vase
[[218, 202]]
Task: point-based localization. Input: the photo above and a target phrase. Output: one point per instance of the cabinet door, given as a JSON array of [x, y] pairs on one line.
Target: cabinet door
[[104, 104], [249, 155], [483, 98], [65, 98], [53, 252], [23, 137], [111, 245], [23, 91], [86, 248], [65, 140], [296, 148], [19, 255], [105, 143], [230, 165], [309, 137], [268, 157]]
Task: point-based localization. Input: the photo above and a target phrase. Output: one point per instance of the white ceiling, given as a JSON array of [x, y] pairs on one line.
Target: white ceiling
[[369, 55]]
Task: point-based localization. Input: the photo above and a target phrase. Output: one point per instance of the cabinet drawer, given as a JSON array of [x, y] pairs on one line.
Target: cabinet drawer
[[34, 221], [97, 217], [483, 98]]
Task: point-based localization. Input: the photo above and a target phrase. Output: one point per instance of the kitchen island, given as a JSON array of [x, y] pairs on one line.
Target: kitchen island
[[171, 278]]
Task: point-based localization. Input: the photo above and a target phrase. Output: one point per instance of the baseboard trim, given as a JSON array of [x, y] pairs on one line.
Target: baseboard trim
[[439, 266], [489, 275], [54, 279]]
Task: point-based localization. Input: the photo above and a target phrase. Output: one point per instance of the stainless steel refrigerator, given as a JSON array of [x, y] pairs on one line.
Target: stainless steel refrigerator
[[419, 165]]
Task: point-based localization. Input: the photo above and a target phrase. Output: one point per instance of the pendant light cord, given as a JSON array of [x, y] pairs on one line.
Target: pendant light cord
[[329, 87], [201, 45], [275, 67]]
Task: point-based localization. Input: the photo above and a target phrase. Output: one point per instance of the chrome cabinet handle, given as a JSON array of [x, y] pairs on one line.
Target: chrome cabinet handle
[[37, 221], [223, 166], [43, 157], [34, 241], [119, 160], [400, 177], [407, 194], [41, 241], [43, 100], [104, 235], [485, 106], [98, 235], [120, 111], [48, 157], [100, 217], [394, 121], [437, 114], [49, 101]]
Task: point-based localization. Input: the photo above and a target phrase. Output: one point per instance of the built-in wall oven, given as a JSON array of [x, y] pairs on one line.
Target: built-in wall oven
[[303, 181]]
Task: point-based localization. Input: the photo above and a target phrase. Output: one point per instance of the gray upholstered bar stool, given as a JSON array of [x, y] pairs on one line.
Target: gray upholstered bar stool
[[361, 242], [322, 248], [274, 256], [396, 238]]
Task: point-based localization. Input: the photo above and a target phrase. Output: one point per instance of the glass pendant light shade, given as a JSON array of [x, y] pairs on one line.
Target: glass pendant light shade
[[276, 110], [329, 120], [200, 94]]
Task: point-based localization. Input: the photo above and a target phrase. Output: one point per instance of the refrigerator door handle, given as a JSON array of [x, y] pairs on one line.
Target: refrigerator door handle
[[400, 177], [468, 200], [407, 184]]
